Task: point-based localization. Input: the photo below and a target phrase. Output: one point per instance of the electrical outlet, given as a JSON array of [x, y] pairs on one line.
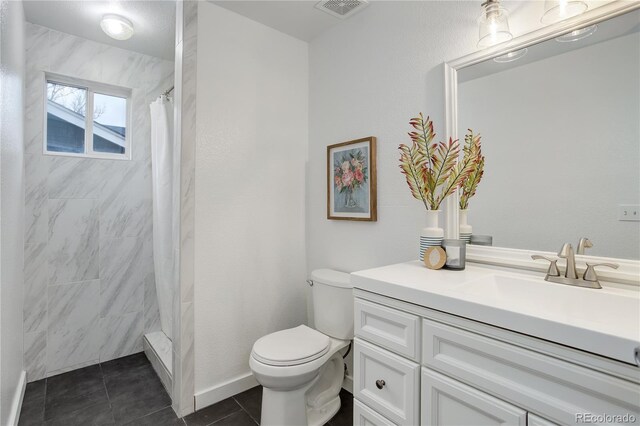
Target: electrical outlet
[[629, 212]]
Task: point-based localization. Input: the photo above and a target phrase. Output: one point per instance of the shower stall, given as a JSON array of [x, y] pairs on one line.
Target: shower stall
[[158, 344]]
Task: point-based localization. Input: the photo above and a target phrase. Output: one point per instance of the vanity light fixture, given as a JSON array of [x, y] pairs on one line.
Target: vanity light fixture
[[559, 10], [493, 24], [511, 56], [117, 27], [577, 34]]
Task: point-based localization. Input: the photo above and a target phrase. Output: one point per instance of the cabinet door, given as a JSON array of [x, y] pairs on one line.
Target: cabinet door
[[447, 402], [365, 416], [533, 420]]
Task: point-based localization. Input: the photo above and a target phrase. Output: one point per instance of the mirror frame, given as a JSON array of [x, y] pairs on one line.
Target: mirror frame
[[629, 271]]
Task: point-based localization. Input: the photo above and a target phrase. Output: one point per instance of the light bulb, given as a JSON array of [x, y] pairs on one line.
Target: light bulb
[[493, 25], [559, 10], [117, 27]]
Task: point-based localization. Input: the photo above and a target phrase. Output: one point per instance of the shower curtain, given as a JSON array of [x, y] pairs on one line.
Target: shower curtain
[[162, 181]]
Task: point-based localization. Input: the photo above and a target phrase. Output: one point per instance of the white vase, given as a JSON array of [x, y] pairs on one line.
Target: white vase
[[432, 235], [465, 228]]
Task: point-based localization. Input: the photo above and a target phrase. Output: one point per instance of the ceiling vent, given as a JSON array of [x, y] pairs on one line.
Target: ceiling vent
[[341, 8]]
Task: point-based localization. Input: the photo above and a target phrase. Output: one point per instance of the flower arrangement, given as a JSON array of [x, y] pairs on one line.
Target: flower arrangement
[[350, 171], [433, 170], [472, 152]]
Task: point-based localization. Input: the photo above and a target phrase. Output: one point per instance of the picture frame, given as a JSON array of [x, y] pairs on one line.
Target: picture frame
[[351, 180]]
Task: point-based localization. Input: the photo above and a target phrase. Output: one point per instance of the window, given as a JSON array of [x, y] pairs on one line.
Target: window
[[86, 119]]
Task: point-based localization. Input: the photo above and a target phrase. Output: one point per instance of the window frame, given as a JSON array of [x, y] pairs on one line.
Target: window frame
[[92, 87]]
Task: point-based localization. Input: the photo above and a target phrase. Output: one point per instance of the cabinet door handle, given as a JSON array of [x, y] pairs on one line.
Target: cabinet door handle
[[380, 384]]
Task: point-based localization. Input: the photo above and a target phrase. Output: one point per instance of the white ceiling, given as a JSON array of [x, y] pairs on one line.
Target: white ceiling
[[153, 21], [299, 19]]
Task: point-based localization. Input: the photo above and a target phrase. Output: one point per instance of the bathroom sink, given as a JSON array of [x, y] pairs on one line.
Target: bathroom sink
[[602, 321], [536, 296]]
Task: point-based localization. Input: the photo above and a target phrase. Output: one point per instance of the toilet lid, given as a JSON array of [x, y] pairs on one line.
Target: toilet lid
[[293, 346]]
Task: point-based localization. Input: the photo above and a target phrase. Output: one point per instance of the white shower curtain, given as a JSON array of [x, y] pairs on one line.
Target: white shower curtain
[[162, 177]]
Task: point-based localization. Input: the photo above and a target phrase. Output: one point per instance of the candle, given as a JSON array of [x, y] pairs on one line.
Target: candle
[[456, 254]]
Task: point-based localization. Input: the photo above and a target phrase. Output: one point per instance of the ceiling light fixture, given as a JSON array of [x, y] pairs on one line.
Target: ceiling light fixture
[[117, 27], [493, 24], [577, 34], [511, 56], [559, 10]]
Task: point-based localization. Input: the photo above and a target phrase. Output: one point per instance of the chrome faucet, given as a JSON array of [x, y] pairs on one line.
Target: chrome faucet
[[570, 277], [584, 243]]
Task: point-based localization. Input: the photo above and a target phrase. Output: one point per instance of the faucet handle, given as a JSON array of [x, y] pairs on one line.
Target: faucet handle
[[553, 265], [590, 273]]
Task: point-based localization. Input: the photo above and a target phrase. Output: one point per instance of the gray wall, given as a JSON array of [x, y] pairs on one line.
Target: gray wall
[[89, 281], [11, 211]]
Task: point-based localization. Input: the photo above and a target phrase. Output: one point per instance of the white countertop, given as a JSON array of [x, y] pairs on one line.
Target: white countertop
[[602, 321]]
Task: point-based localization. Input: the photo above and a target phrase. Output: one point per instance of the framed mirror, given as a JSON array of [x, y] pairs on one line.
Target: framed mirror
[[560, 135]]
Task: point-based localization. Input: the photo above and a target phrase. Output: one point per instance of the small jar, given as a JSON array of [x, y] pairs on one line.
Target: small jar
[[456, 254]]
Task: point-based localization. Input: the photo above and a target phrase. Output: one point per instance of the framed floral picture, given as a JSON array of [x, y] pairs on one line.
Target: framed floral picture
[[351, 180]]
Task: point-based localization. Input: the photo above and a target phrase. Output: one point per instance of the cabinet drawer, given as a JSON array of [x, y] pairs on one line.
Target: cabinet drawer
[[392, 329], [447, 402], [365, 416], [387, 383], [530, 380]]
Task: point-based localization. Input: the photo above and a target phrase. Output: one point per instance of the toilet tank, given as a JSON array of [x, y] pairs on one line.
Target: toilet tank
[[332, 296]]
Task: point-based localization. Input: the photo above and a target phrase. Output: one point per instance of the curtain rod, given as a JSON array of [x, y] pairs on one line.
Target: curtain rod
[[169, 91]]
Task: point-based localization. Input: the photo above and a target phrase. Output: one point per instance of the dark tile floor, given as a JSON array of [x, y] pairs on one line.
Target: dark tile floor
[[126, 391]]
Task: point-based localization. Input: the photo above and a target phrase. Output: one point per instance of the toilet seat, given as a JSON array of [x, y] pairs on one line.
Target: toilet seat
[[293, 346]]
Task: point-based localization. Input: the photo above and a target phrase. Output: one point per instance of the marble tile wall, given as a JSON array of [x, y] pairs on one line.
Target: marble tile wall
[[184, 199], [89, 291]]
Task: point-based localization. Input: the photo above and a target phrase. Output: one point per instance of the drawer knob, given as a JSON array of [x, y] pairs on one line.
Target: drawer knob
[[380, 384]]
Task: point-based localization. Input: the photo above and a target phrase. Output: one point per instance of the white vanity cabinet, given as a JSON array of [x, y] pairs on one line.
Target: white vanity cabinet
[[446, 401], [414, 365]]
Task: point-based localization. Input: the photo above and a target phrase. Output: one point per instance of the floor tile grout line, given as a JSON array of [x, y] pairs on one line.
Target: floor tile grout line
[[101, 376], [148, 414], [106, 391], [245, 410], [229, 415], [104, 384], [66, 413]]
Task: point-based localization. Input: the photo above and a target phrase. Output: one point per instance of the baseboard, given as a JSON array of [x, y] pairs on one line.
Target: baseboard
[[347, 384], [14, 416], [225, 390]]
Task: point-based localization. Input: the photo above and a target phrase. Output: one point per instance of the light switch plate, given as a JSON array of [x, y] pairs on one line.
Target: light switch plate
[[629, 212]]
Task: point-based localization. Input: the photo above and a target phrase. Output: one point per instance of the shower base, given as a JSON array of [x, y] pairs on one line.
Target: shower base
[[159, 351]]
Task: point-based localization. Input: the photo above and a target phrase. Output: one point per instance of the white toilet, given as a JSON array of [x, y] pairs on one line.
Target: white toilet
[[301, 369]]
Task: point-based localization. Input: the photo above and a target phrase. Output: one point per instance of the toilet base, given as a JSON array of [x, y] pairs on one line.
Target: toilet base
[[318, 417], [290, 409], [312, 404], [286, 408]]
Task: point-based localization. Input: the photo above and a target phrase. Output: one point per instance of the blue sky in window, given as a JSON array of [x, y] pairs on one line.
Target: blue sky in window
[[113, 110]]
